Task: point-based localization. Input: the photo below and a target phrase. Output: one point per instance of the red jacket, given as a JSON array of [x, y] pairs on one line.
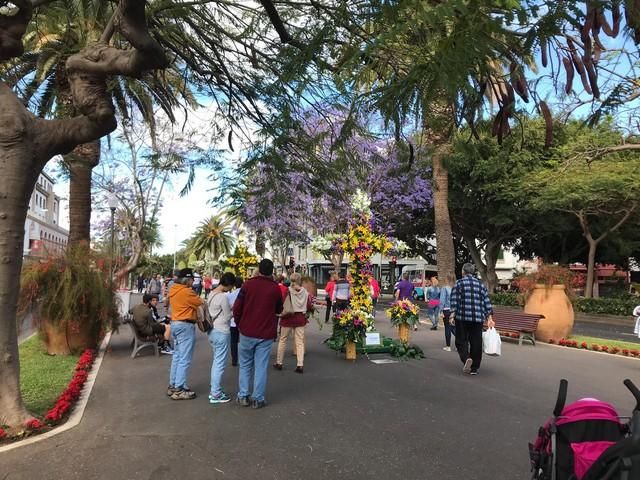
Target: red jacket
[[331, 285], [375, 287], [256, 307]]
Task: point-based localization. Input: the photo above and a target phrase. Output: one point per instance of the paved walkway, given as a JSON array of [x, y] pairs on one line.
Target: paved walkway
[[410, 420]]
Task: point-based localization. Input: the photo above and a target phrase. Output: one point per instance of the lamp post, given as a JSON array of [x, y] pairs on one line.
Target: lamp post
[[175, 228], [112, 201]]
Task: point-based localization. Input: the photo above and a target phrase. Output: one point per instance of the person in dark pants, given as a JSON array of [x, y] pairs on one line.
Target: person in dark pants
[[331, 284], [235, 333], [470, 309], [445, 304]]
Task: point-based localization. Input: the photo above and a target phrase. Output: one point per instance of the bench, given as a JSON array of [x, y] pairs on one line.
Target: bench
[[520, 323], [139, 342]]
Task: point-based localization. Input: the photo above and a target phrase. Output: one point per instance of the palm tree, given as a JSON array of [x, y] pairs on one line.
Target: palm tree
[[40, 77], [214, 236]]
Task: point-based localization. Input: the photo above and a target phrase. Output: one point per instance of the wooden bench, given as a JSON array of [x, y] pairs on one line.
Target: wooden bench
[[520, 323], [139, 342]]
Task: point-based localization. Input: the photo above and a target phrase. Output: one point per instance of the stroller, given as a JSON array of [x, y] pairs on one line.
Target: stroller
[[587, 440]]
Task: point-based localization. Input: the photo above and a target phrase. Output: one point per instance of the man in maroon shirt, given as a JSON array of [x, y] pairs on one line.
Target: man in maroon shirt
[[255, 312]]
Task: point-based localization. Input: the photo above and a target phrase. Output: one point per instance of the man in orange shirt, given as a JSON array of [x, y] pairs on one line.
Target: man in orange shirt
[[184, 305]]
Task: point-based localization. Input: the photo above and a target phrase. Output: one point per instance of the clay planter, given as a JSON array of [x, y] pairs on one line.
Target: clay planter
[[64, 341], [403, 333], [553, 303], [350, 350]]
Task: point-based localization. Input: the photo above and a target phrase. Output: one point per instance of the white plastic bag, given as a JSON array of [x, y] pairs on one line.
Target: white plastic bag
[[491, 343]]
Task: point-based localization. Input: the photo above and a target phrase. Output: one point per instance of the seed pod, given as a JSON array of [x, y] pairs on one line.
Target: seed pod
[[593, 78], [577, 62], [543, 52], [589, 22], [615, 14], [568, 67], [496, 128], [606, 28], [548, 122]]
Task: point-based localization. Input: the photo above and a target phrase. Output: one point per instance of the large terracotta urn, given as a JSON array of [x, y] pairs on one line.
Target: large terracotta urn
[[350, 350], [68, 338], [403, 333], [552, 302]]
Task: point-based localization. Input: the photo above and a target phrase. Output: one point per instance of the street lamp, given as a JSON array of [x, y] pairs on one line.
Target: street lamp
[[112, 201]]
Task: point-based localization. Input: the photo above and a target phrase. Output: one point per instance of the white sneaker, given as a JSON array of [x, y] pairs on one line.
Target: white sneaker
[[446, 349]]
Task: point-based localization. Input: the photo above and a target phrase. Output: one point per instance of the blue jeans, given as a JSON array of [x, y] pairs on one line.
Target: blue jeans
[[219, 342], [254, 358], [183, 335], [433, 314]]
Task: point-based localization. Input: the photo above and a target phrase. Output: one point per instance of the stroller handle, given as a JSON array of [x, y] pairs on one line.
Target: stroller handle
[[562, 397], [634, 391]]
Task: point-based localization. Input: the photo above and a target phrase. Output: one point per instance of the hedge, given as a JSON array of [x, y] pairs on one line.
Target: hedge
[[598, 306]]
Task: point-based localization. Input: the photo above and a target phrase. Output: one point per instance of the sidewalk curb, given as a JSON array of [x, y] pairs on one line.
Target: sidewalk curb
[[587, 351], [78, 410]]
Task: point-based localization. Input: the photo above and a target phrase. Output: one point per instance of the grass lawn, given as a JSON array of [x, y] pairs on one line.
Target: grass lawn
[[43, 377], [605, 341]]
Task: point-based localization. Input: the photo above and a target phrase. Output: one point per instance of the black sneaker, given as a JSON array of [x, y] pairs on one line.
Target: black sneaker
[[243, 401], [258, 404], [183, 395]]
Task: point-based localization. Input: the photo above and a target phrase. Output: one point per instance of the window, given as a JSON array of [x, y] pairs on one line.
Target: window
[[501, 255]]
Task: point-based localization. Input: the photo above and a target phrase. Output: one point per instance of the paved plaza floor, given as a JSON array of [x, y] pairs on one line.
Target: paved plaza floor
[[408, 420]]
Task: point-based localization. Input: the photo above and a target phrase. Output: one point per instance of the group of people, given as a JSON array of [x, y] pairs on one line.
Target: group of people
[[245, 318], [338, 292], [159, 286]]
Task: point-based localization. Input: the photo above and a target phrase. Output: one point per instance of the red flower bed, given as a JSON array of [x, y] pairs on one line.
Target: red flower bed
[[595, 347], [66, 400], [73, 390]]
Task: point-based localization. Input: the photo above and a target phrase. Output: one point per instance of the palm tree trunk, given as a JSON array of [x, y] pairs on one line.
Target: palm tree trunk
[[81, 163], [446, 255]]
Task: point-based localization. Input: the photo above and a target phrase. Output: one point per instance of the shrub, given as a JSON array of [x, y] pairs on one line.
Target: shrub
[[634, 352], [625, 352], [606, 306], [552, 341], [614, 350], [584, 345], [508, 299], [595, 347], [604, 348]]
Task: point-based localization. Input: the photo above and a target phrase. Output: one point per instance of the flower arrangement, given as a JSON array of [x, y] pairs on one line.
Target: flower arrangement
[[353, 324], [547, 275], [73, 297], [403, 312], [240, 261]]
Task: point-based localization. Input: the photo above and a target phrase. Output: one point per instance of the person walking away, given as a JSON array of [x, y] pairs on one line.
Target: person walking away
[[470, 308], [197, 283], [432, 297], [329, 287], [140, 283], [146, 325], [445, 306], [300, 303], [207, 286], [155, 286], [235, 333], [219, 336], [374, 286], [404, 288], [341, 293], [255, 312], [183, 303]]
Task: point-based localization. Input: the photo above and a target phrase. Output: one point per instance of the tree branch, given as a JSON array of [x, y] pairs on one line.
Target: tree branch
[[278, 24]]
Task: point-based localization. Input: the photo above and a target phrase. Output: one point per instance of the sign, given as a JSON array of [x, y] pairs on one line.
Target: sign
[[373, 339]]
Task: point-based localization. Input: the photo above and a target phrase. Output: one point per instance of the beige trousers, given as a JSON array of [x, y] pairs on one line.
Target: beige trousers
[[298, 338]]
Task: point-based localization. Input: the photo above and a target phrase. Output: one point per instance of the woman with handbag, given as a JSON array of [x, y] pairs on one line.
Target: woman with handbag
[[220, 335], [293, 320], [432, 297]]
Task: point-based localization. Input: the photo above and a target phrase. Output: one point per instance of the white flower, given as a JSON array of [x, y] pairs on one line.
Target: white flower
[[361, 202]]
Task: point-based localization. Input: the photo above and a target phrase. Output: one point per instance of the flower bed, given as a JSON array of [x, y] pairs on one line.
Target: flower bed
[[63, 405], [595, 347]]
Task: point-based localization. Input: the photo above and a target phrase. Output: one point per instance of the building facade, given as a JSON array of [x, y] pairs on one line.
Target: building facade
[[43, 234]]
